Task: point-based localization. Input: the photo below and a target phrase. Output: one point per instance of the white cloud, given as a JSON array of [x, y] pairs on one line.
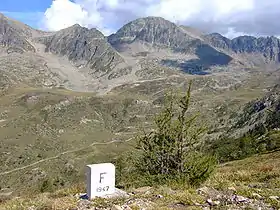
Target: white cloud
[[230, 17], [64, 13]]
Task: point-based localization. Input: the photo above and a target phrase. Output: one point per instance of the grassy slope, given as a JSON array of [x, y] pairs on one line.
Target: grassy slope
[[42, 124], [60, 129], [255, 176]]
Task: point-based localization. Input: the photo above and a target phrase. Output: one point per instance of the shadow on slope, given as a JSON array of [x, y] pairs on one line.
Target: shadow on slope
[[207, 57]]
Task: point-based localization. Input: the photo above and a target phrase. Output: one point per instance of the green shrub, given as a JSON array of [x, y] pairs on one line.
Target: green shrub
[[273, 118], [170, 152], [255, 141], [46, 186]]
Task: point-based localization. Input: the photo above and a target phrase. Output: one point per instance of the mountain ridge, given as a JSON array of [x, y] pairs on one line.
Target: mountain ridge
[[199, 52], [136, 51], [85, 47]]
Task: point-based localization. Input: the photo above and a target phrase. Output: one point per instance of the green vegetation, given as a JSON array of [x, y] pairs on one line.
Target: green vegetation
[[258, 174], [171, 152], [259, 124], [256, 141]]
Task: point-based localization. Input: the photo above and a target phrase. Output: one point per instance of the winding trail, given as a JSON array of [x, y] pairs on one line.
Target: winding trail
[[59, 155]]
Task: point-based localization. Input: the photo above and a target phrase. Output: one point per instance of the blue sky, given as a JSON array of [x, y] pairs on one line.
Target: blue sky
[[24, 6], [228, 17], [27, 11]]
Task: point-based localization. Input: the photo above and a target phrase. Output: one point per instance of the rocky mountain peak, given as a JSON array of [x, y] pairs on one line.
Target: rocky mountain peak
[[153, 30], [79, 30], [84, 47]]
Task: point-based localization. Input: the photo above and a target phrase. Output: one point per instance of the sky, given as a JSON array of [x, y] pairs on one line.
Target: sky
[[228, 17]]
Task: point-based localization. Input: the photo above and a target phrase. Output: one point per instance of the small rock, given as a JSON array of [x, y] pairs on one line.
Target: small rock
[[240, 199], [61, 131], [117, 194], [274, 197], [219, 197], [48, 84], [216, 203], [116, 207], [232, 189], [7, 194], [84, 204], [142, 189], [159, 196], [139, 204], [126, 207], [256, 195], [203, 190], [213, 203]]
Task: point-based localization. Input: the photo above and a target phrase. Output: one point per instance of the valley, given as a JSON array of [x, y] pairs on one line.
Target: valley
[[74, 97]]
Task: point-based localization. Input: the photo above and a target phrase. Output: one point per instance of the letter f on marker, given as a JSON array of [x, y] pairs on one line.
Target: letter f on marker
[[101, 176]]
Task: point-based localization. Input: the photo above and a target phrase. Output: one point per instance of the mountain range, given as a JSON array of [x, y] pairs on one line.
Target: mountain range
[[101, 63]]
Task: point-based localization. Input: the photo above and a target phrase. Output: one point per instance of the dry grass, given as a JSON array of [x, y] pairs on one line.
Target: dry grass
[[42, 202], [258, 174]]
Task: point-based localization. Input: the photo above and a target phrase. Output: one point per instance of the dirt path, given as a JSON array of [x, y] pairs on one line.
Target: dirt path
[[57, 156]]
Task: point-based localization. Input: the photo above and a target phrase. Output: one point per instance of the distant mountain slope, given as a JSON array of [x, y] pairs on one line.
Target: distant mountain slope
[[262, 112], [84, 47], [163, 34], [211, 49], [13, 37], [267, 47], [76, 58], [145, 48]]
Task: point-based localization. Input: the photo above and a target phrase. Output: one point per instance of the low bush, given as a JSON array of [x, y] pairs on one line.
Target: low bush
[[172, 152]]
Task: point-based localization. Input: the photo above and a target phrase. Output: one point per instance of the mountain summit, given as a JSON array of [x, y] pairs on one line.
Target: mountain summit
[[158, 33], [85, 47], [154, 30]]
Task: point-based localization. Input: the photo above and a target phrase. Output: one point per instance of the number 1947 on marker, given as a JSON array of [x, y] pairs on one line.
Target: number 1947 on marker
[[102, 189]]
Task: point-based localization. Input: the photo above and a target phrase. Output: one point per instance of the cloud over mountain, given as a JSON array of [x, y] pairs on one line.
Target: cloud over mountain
[[256, 17]]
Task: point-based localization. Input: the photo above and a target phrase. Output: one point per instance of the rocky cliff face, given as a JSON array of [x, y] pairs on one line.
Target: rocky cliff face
[[268, 47], [13, 37], [154, 30], [84, 47]]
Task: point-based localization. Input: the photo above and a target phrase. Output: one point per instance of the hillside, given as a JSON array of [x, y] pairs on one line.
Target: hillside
[[73, 97], [251, 183]]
